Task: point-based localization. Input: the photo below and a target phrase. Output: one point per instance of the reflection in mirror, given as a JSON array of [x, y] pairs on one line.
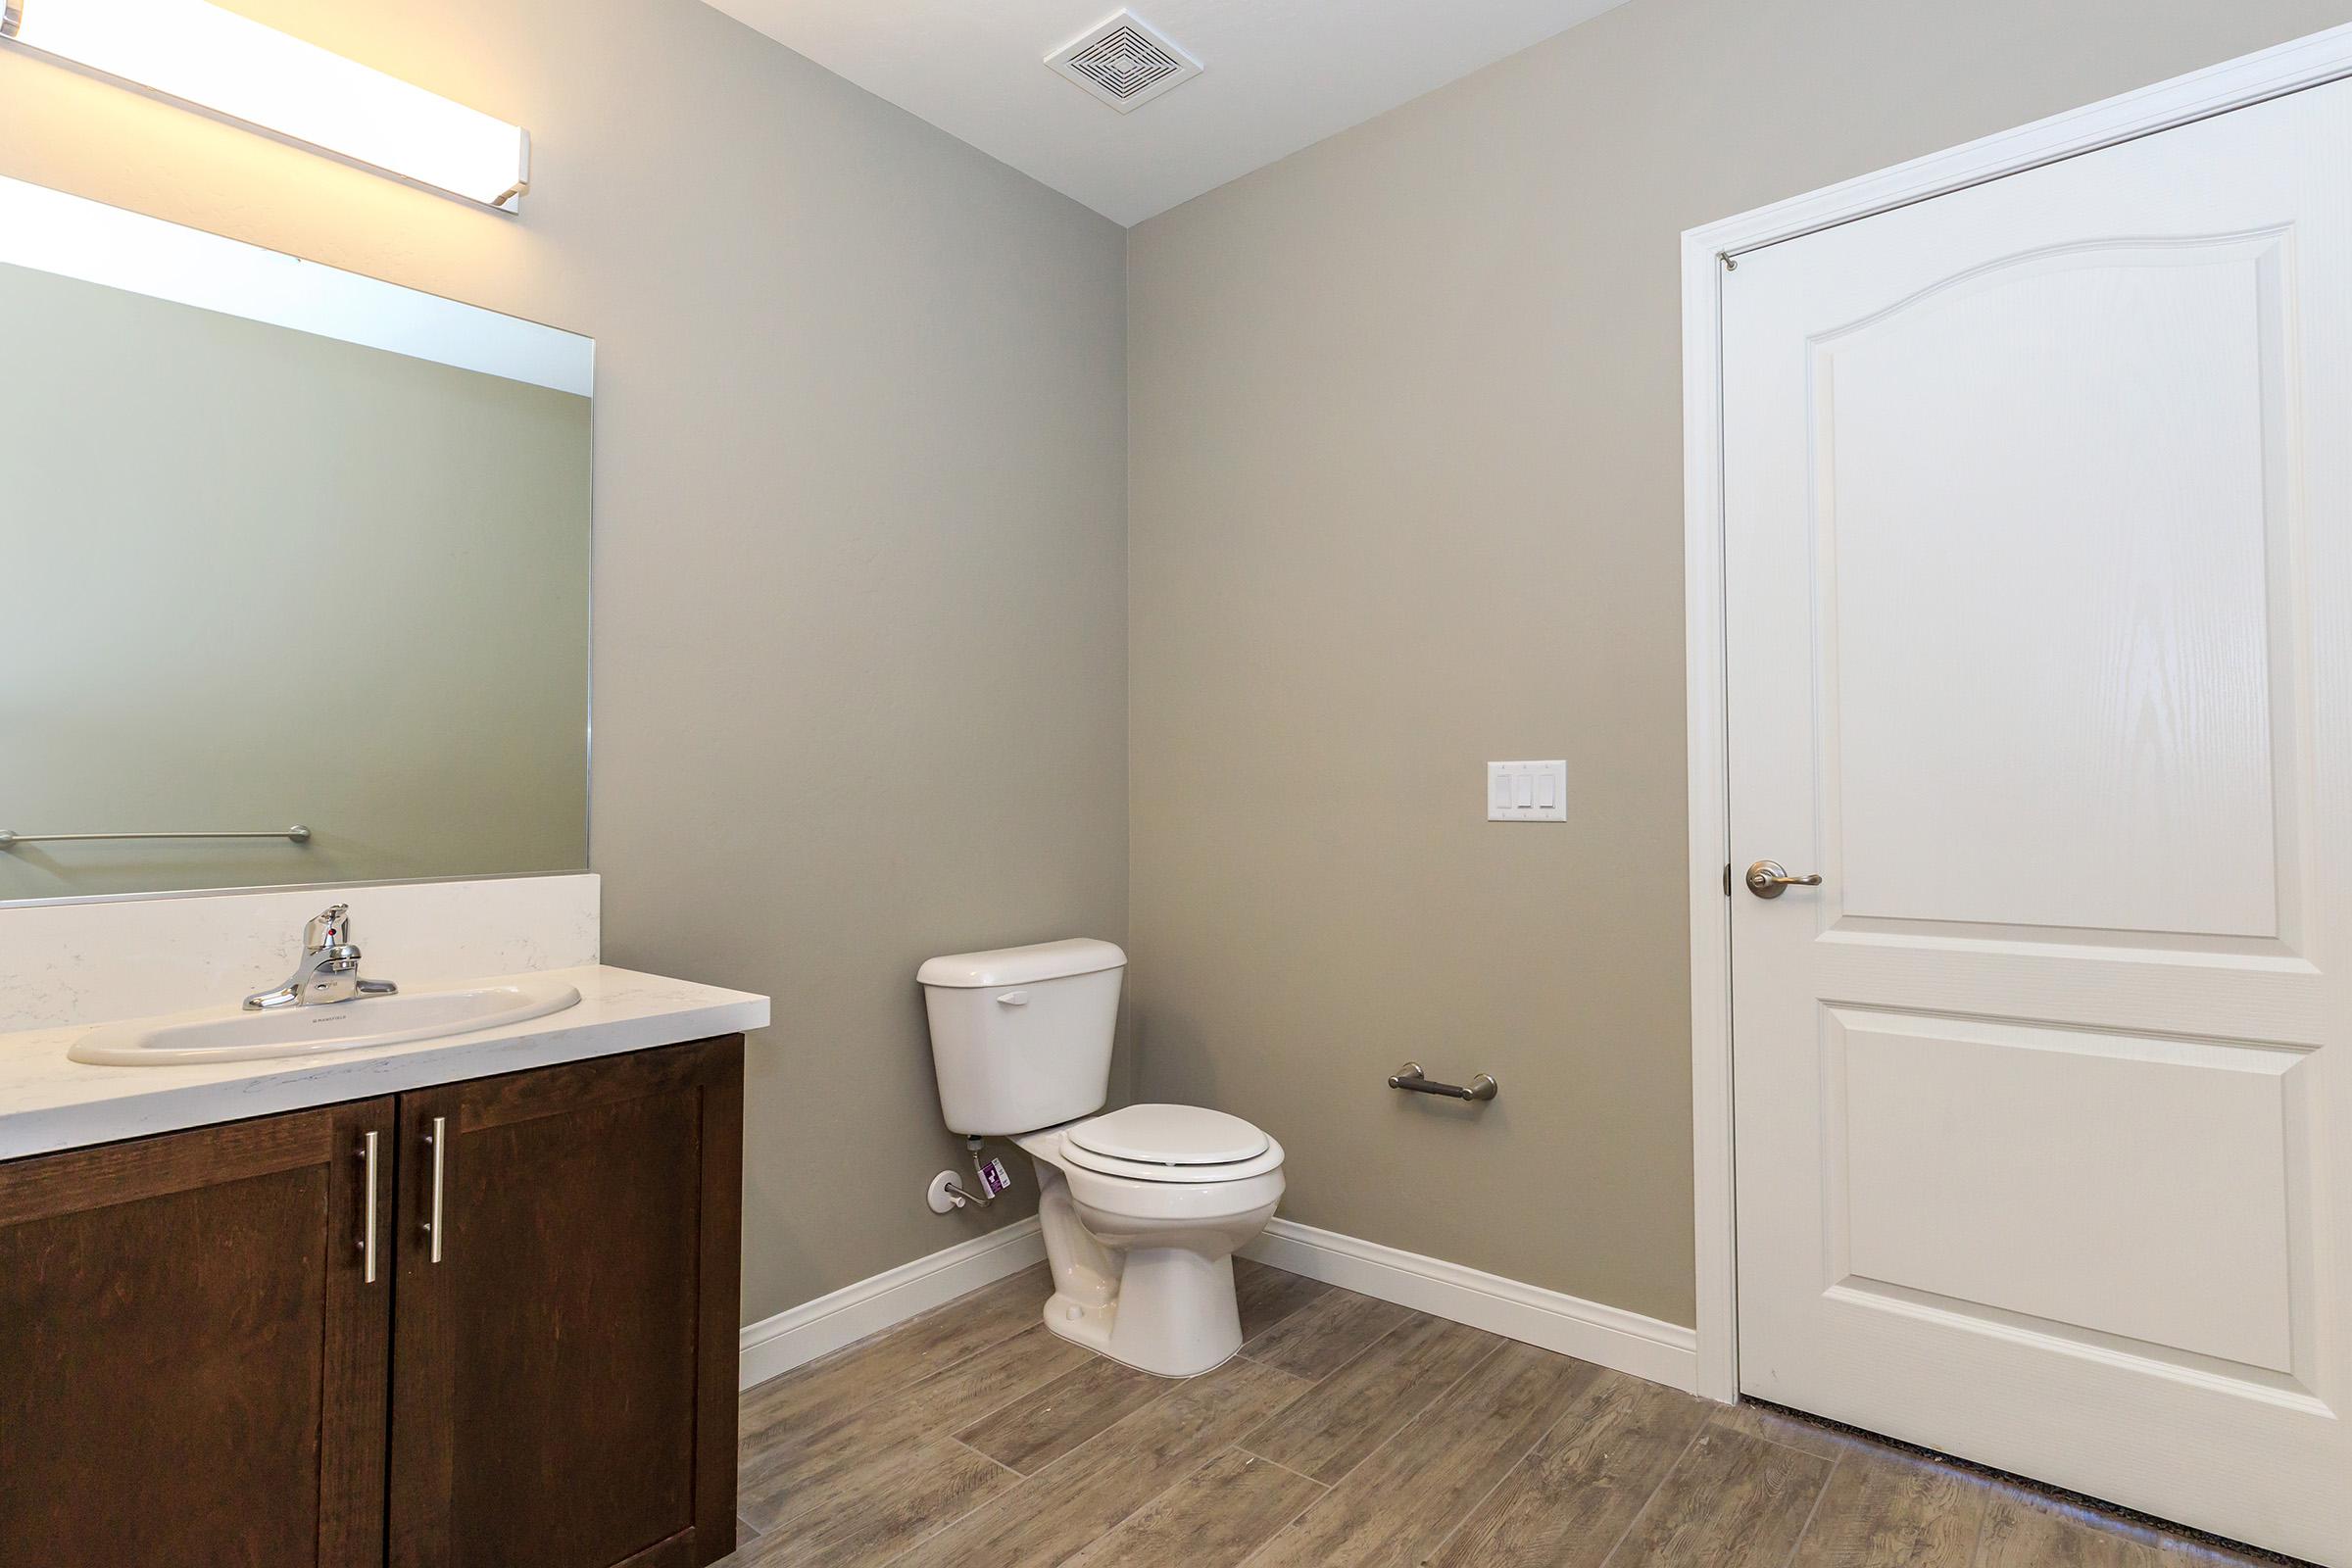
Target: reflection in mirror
[[281, 546]]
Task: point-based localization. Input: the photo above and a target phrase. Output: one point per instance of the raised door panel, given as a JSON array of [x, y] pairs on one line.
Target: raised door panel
[[2052, 540], [192, 1366], [2142, 1194], [564, 1366]]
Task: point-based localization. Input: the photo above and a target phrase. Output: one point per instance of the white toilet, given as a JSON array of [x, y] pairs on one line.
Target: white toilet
[[1143, 1208]]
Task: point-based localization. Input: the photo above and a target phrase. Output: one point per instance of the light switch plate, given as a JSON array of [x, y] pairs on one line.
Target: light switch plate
[[1527, 791]]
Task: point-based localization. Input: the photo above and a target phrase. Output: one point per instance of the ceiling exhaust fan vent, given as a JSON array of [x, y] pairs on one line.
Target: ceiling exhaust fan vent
[[1125, 62]]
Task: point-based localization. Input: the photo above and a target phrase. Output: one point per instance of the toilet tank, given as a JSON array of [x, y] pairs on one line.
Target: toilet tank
[[1020, 1037]]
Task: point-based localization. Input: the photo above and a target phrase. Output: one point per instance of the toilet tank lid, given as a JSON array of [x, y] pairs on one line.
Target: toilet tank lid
[[1022, 967]]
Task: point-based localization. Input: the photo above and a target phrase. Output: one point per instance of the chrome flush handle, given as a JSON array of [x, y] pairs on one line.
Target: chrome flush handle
[[1769, 879]]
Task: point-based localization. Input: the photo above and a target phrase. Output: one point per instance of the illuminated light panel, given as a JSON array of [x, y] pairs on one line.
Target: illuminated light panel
[[237, 68]]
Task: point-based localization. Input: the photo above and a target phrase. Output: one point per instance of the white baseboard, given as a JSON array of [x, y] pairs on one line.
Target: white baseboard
[[775, 1346], [1625, 1342]]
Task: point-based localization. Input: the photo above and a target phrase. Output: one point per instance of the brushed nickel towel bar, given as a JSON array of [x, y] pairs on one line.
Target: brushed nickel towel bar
[[297, 834], [1409, 1078]]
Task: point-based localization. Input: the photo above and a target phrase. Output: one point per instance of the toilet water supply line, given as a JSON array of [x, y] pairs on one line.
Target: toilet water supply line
[[994, 1179]]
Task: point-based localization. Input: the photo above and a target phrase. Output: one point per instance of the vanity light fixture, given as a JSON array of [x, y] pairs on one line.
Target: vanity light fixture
[[236, 68]]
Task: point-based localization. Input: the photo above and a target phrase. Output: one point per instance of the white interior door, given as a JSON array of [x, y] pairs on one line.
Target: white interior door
[[2038, 519]]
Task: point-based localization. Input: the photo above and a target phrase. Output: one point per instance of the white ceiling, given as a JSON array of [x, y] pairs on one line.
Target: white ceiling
[[1279, 75]]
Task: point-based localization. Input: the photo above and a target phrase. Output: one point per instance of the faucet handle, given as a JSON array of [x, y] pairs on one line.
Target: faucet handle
[[331, 928]]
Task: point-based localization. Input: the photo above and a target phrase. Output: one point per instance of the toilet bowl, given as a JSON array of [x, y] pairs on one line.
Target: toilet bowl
[[1142, 1207], [1141, 1251]]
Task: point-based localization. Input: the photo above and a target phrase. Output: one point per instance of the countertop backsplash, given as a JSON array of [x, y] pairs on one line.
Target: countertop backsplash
[[130, 957]]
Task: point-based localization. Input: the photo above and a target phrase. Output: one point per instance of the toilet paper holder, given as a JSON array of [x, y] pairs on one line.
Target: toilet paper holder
[[1410, 1078]]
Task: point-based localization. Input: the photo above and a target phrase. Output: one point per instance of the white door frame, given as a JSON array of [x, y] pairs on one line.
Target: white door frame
[[2305, 63]]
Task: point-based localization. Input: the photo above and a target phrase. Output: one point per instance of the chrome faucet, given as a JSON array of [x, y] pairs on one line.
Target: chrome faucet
[[329, 971]]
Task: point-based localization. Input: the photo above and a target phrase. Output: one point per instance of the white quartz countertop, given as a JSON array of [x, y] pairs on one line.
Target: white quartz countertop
[[50, 1103]]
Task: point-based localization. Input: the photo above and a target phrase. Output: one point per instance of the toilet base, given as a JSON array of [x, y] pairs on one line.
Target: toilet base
[[1166, 1311], [1183, 1320]]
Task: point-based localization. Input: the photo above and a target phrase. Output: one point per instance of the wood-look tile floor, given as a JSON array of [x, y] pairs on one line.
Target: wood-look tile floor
[[1348, 1432]]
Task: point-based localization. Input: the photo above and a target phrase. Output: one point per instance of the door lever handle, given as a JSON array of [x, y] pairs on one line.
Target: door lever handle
[[1769, 879]]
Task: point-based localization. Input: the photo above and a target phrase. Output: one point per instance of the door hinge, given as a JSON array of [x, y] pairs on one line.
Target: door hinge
[[1727, 879]]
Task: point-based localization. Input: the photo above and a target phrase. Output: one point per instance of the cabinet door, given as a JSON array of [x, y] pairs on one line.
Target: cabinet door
[[565, 1363], [191, 1354]]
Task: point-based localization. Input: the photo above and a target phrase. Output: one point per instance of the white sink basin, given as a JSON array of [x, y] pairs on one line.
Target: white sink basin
[[232, 1034]]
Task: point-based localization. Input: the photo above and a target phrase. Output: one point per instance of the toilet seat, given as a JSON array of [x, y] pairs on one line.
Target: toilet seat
[[1181, 1143], [1169, 1135]]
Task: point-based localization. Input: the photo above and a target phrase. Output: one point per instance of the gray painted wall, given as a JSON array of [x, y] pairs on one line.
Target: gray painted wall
[[860, 670], [1404, 496]]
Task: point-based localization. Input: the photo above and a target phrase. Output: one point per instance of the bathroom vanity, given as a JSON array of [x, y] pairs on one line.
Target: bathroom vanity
[[427, 1256], [474, 1301]]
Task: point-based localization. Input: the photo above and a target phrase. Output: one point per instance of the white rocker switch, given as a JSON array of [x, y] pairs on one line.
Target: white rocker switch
[[1527, 791]]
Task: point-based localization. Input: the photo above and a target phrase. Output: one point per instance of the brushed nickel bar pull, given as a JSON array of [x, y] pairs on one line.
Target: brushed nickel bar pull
[[367, 1240], [438, 1140], [1409, 1078], [297, 834]]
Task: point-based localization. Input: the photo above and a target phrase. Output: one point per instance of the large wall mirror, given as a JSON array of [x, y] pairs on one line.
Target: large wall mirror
[[286, 553]]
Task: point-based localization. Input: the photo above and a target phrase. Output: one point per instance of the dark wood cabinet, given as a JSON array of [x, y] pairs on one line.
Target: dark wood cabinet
[[564, 1370], [195, 1366], [191, 1357]]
